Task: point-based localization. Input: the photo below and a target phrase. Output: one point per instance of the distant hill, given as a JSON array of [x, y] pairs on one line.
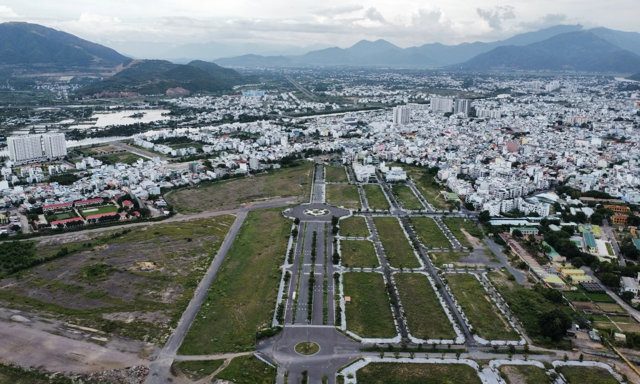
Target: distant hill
[[381, 53], [24, 44], [573, 51], [147, 77], [635, 77]]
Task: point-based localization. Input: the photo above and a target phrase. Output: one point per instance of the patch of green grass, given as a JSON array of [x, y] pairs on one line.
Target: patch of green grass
[[124, 158], [335, 174], [196, 370], [600, 297], [441, 258], [354, 226], [426, 183], [406, 198], [582, 375], [242, 298], [524, 374], [396, 245], [418, 299], [10, 374], [429, 232], [358, 253], [98, 210], [248, 370], [376, 197], [228, 194], [65, 215], [96, 271], [455, 225], [486, 319], [343, 195], [396, 373], [369, 313]]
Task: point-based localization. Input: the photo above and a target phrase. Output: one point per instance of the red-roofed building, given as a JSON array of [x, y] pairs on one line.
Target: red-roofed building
[[127, 203], [84, 203], [55, 207], [67, 221]]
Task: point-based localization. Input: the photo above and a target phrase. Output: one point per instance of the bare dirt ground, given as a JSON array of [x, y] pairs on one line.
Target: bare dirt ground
[[475, 242]]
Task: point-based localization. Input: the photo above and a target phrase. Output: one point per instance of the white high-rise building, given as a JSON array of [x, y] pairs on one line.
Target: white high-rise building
[[25, 148], [55, 146], [462, 106], [401, 115], [441, 104]]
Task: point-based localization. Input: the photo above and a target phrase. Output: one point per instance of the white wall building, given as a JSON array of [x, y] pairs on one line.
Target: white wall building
[[25, 148], [401, 115], [54, 144]]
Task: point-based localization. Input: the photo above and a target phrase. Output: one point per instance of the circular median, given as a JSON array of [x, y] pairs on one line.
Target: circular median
[[307, 348]]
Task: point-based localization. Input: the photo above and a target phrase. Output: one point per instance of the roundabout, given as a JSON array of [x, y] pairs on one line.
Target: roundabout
[[316, 212], [307, 348]]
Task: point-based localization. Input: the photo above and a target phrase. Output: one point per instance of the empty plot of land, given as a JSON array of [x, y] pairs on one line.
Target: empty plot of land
[[525, 374], [248, 370], [133, 283], [406, 198], [425, 316], [429, 233], [465, 230], [242, 297], [396, 246], [583, 375], [229, 194], [368, 313], [441, 258], [343, 195], [376, 197], [395, 373], [486, 319], [335, 174], [354, 226], [358, 253]]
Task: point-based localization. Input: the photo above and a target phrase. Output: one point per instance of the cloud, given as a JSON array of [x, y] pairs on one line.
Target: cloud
[[373, 15], [494, 17], [548, 20], [7, 13], [337, 11]]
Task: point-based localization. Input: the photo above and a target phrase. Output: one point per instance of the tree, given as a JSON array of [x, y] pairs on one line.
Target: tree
[[517, 233], [554, 324], [484, 217], [610, 280]]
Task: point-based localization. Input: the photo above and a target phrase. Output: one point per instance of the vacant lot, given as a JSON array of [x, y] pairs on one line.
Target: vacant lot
[[196, 370], [426, 183], [242, 298], [335, 174], [354, 226], [440, 258], [376, 197], [406, 198], [485, 318], [396, 246], [134, 283], [248, 370], [98, 210], [343, 195], [525, 374], [462, 229], [229, 194], [358, 253], [393, 373], [582, 375], [418, 298], [369, 313], [429, 233]]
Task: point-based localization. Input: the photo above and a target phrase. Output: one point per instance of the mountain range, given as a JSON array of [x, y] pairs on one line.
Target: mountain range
[[563, 47]]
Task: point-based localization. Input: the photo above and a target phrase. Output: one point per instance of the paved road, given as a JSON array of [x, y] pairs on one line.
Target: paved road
[[632, 311], [159, 369], [606, 228], [497, 251]]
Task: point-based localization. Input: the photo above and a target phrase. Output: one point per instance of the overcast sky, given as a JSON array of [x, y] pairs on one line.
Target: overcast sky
[[315, 23]]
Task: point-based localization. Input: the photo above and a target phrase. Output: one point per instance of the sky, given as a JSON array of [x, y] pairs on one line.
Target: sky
[[286, 24]]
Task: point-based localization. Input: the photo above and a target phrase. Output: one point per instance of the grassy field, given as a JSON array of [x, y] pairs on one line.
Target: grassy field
[[228, 194], [196, 370], [524, 374], [369, 314], [427, 185], [395, 373], [406, 198], [343, 195], [98, 210], [133, 283], [429, 233], [418, 299], [358, 253], [65, 215], [242, 298], [396, 246], [335, 174], [124, 158], [354, 226], [485, 318], [376, 197], [10, 374], [456, 226], [248, 370], [582, 375], [440, 258]]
